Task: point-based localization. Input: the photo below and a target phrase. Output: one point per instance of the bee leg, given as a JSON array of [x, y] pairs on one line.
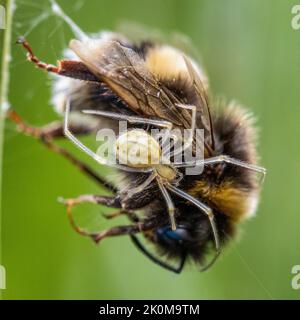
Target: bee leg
[[137, 227], [124, 230], [50, 131], [56, 130], [113, 215], [154, 259], [67, 68], [113, 202], [130, 214]]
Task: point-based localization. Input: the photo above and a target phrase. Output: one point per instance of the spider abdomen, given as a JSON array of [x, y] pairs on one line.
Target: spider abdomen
[[137, 148]]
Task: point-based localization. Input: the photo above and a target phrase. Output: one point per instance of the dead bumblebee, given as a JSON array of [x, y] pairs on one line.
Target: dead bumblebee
[[152, 85]]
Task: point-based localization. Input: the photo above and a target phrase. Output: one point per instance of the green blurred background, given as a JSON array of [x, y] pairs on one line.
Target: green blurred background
[[252, 54]]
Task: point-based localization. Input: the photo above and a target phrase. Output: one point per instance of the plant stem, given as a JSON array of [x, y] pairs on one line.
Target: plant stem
[[4, 87]]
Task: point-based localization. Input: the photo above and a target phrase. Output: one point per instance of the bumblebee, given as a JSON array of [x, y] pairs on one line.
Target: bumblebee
[[150, 85]]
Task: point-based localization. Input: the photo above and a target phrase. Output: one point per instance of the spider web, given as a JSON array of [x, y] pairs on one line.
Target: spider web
[[51, 35], [36, 20]]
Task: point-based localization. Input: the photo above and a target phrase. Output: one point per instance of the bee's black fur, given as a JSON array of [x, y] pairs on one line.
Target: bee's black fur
[[141, 48]]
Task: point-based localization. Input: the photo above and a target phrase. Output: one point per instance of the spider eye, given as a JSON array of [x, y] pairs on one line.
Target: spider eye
[[167, 236]]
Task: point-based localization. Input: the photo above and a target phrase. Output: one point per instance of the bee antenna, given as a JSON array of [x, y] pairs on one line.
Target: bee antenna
[[57, 10], [217, 253]]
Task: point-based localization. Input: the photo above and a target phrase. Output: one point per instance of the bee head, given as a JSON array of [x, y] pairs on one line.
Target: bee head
[[190, 237], [173, 238], [184, 236]]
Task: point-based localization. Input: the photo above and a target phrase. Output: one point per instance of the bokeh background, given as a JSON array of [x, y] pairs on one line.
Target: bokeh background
[[251, 54]]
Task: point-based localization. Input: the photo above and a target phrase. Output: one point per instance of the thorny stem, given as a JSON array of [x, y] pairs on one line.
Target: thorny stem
[[4, 87]]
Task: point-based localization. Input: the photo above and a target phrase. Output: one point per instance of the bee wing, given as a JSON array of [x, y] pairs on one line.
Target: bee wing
[[138, 32], [124, 71], [202, 104]]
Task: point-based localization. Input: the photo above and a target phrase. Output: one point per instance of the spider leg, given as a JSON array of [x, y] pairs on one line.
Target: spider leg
[[169, 202], [226, 159], [129, 192], [130, 119], [91, 153], [189, 141], [135, 119], [208, 211], [154, 259], [54, 130]]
